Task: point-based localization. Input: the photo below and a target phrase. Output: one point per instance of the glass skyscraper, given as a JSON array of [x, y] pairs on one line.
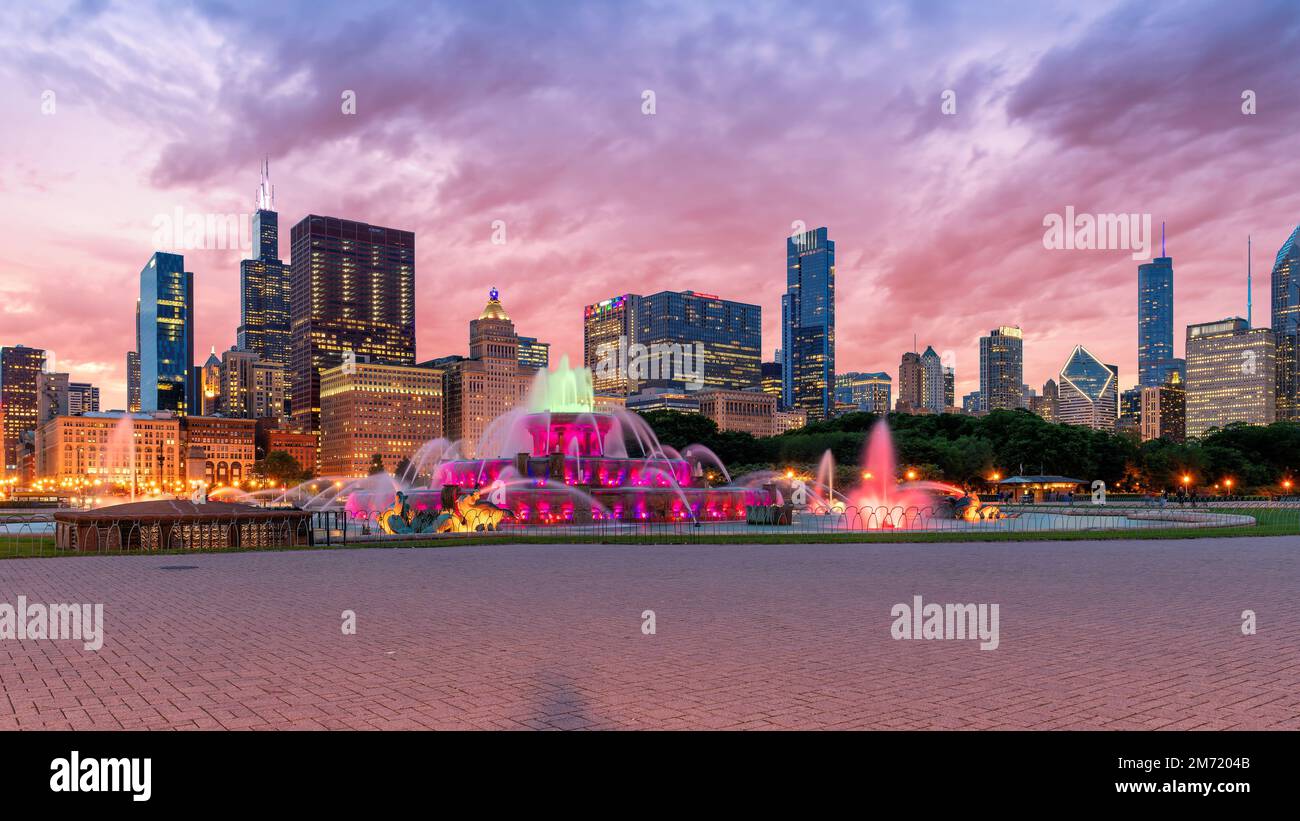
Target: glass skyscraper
[[730, 335], [1002, 369], [1286, 326], [264, 285], [1088, 391], [808, 323], [1156, 323], [166, 334], [353, 289], [20, 371]]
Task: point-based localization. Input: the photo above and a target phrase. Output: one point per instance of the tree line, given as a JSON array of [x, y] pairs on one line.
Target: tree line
[[968, 450]]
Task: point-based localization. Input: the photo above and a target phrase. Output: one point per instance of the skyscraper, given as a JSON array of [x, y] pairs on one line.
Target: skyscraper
[[1164, 410], [808, 323], [534, 354], [265, 294], [1231, 375], [1002, 368], [353, 289], [1156, 322], [133, 368], [20, 370], [772, 380], [1088, 391], [166, 329], [728, 335], [83, 397], [933, 388], [870, 392], [911, 383], [490, 382], [631, 342], [606, 326], [1286, 328]]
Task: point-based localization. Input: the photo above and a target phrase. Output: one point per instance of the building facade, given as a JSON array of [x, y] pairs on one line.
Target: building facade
[[808, 323], [229, 448], [1231, 375], [1285, 288], [20, 371], [933, 388], [867, 392], [1156, 322], [113, 450], [352, 289], [1002, 368], [83, 397], [606, 326], [752, 412], [301, 445], [264, 285], [368, 408], [52, 396], [166, 334], [251, 387], [911, 384], [1164, 411], [1088, 391], [488, 383], [533, 354]]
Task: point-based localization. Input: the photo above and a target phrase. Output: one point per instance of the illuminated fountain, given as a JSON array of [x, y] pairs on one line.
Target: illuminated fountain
[[556, 461], [881, 501]]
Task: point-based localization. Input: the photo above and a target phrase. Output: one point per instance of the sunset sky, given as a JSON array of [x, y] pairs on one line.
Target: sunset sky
[[766, 114]]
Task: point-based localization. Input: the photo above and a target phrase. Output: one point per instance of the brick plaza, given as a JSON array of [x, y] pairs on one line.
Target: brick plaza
[[1110, 634]]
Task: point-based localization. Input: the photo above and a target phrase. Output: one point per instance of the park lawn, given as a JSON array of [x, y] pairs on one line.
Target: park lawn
[[1269, 522]]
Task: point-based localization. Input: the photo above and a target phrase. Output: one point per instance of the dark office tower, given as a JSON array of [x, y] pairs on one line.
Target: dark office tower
[[1155, 321], [353, 289], [772, 379], [727, 334], [1286, 326], [264, 284], [808, 323], [20, 370], [166, 330], [1002, 368], [133, 381]]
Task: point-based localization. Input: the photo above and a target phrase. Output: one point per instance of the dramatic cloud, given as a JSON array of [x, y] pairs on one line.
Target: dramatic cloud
[[766, 113]]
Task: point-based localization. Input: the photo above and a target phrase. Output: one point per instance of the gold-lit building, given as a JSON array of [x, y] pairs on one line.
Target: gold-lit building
[[113, 449], [490, 382], [1231, 375], [229, 447], [369, 408]]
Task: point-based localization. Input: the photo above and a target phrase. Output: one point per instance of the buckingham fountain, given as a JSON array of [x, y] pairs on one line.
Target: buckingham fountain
[[558, 460]]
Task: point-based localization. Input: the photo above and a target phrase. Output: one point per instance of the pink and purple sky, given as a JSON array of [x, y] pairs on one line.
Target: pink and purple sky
[[766, 113]]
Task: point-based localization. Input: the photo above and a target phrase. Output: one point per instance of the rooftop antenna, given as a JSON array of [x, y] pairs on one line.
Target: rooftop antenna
[[1249, 290], [266, 191], [1162, 238]]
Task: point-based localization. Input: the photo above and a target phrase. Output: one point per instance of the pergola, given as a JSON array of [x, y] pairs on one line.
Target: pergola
[[1041, 485]]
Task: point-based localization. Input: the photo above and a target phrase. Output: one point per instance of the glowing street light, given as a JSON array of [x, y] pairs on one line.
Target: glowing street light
[[911, 474]]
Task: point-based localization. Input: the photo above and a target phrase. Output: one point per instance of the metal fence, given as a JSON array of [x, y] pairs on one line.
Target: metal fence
[[32, 534]]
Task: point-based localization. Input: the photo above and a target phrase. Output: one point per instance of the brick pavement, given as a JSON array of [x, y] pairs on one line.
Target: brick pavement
[[1093, 635]]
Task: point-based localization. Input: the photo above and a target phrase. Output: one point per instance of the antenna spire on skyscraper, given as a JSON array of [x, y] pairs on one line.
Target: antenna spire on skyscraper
[[1249, 289], [266, 191], [1162, 238]]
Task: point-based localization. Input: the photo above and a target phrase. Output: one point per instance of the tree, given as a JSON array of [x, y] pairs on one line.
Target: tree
[[402, 469], [280, 468], [376, 464]]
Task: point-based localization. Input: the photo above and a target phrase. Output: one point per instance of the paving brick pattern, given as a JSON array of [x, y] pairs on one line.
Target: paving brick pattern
[[1093, 635]]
